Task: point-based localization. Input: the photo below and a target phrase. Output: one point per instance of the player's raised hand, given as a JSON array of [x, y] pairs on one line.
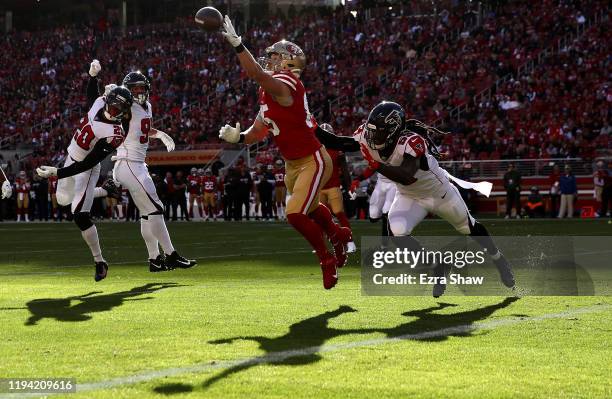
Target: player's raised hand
[[230, 33], [7, 190], [94, 68], [46, 171], [166, 139], [229, 133]]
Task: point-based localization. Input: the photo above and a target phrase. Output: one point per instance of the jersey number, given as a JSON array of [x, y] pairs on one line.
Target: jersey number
[[145, 127], [84, 134], [274, 127]]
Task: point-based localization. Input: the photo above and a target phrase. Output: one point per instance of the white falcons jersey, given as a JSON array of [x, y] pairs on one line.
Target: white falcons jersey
[[90, 131], [428, 182], [135, 145]]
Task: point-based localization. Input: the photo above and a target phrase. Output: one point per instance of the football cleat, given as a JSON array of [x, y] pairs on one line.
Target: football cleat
[[101, 271], [505, 271], [439, 287], [341, 240], [113, 189], [351, 247], [330, 272], [176, 261], [158, 264]]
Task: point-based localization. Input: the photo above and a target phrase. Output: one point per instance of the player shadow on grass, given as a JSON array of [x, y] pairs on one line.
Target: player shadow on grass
[[61, 309], [310, 334]]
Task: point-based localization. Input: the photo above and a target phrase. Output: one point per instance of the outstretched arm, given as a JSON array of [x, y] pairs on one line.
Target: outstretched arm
[[257, 132], [252, 68], [333, 142], [93, 85], [402, 174]]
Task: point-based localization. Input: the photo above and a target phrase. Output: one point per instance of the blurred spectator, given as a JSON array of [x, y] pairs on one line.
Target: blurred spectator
[[603, 180], [555, 195], [534, 206], [179, 197], [569, 190], [512, 184]]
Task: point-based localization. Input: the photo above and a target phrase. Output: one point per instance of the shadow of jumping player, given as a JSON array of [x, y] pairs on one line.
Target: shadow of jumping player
[[61, 309], [310, 334]]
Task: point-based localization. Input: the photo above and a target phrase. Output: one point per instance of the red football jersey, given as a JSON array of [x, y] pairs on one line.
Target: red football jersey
[[293, 128], [334, 180], [194, 184], [52, 184], [209, 183], [279, 177], [22, 185]]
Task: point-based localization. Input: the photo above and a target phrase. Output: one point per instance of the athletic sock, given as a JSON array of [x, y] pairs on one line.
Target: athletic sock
[[385, 225], [322, 216], [90, 236], [310, 231], [344, 222], [100, 192], [160, 231], [481, 235], [149, 238]]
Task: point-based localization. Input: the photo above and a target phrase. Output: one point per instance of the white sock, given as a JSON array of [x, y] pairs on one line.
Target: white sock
[[149, 238], [91, 238], [159, 230], [100, 192]]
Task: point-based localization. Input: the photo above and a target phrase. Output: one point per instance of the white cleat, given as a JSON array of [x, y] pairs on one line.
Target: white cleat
[[351, 247]]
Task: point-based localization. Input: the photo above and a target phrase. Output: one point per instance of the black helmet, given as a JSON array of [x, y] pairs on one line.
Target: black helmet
[[134, 79], [118, 103], [384, 125]]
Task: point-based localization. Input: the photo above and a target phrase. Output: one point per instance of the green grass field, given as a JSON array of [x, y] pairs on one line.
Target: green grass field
[[252, 320]]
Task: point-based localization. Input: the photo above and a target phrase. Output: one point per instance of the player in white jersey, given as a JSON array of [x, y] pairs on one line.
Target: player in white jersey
[[131, 171], [402, 151], [99, 134]]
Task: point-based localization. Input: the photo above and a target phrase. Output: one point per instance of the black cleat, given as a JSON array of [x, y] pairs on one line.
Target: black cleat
[[176, 261], [439, 273], [505, 271], [101, 271], [158, 264], [113, 189]]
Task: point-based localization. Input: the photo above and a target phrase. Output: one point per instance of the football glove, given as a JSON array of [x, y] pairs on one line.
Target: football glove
[[7, 190], [166, 139], [94, 68], [108, 88], [230, 134], [230, 33], [46, 171]]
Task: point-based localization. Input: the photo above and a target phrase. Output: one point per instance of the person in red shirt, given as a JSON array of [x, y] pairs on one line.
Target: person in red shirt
[[194, 188], [22, 186], [284, 113], [52, 190], [209, 185], [331, 194], [280, 190]]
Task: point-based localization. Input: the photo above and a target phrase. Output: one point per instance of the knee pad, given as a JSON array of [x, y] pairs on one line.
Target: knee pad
[[63, 199], [82, 220], [399, 226]]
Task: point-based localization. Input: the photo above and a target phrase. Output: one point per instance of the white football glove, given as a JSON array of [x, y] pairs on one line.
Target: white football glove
[[46, 171], [230, 134], [108, 88], [230, 33], [166, 139], [94, 68], [7, 190]]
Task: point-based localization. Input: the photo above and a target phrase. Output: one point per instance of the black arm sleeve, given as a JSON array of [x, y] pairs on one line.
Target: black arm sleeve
[[403, 174], [100, 151], [341, 143], [93, 91]]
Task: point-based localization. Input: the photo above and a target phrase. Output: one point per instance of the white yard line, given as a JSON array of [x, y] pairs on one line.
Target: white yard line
[[276, 357]]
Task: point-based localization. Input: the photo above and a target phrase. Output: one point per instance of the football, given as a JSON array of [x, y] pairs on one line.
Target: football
[[209, 18]]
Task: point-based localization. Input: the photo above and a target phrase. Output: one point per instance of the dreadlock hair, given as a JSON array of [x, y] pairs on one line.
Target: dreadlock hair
[[426, 131]]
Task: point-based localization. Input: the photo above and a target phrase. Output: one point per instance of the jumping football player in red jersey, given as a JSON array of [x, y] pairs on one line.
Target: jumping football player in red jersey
[[284, 113]]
